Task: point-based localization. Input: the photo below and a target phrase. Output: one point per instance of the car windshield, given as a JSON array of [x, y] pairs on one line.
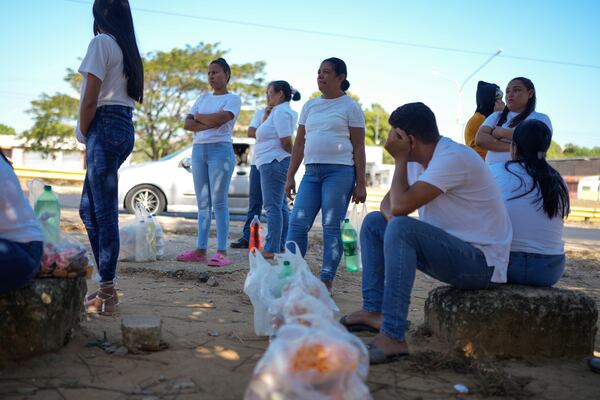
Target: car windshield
[[170, 156]]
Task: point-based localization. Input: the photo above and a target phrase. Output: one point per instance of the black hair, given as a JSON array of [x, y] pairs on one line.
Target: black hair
[[289, 93], [114, 18], [416, 119], [223, 64], [339, 66], [532, 139], [486, 97], [528, 110]]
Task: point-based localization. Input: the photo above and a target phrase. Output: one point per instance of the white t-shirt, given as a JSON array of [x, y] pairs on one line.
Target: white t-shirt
[[209, 103], [104, 59], [470, 206], [491, 121], [257, 119], [279, 124], [327, 134], [17, 221], [533, 230]]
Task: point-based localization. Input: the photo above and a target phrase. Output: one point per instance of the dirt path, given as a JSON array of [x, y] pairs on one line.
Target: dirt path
[[212, 348]]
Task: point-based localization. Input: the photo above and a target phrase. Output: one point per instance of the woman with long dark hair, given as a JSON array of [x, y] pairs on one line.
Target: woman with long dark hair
[[495, 134], [113, 80], [331, 140], [272, 156], [489, 100], [211, 119], [537, 200]]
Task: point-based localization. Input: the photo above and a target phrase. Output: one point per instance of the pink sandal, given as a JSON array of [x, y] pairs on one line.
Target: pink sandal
[[219, 260], [190, 256]]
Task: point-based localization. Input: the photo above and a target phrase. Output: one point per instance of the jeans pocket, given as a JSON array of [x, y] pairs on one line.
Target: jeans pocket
[[117, 129]]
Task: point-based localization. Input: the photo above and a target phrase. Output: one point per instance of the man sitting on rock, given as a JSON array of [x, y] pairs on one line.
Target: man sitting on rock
[[462, 237], [21, 239]]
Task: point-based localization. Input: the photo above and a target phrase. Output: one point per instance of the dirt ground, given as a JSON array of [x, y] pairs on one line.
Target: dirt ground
[[212, 349]]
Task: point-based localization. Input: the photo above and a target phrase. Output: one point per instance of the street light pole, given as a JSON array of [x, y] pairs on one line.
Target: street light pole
[[460, 87]]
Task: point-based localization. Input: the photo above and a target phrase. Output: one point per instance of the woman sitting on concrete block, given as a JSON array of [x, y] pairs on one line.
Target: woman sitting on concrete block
[[21, 239], [537, 200]]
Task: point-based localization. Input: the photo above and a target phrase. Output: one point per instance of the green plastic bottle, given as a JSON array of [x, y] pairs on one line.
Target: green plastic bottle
[[47, 211], [350, 242]]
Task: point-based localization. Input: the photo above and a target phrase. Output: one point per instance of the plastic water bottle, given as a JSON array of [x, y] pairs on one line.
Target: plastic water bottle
[[47, 211], [350, 242], [254, 242]]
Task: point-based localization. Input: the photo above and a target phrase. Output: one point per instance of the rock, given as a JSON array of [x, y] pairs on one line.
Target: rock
[[212, 282], [513, 320], [141, 332], [40, 317], [203, 276]]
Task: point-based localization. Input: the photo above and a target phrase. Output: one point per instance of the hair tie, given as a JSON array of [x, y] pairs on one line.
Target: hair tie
[[541, 155], [293, 90]]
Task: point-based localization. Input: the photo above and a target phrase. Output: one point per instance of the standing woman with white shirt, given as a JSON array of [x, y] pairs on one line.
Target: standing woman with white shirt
[[331, 140], [113, 80], [495, 134], [272, 151], [537, 201], [212, 118]]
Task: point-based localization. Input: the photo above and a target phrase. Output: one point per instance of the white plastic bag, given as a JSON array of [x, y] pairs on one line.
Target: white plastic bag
[[35, 187], [138, 239], [311, 363], [160, 238], [357, 216], [295, 306]]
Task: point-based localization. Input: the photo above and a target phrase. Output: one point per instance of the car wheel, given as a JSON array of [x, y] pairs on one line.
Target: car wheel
[[148, 196]]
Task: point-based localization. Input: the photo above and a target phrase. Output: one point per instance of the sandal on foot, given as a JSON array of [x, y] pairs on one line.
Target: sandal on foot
[[191, 256], [357, 327], [219, 260], [102, 304], [377, 356], [93, 295]]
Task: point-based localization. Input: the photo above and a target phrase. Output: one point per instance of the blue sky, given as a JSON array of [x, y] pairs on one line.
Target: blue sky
[[41, 38]]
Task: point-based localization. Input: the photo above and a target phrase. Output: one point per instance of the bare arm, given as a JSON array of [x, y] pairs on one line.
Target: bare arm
[[286, 144], [486, 141], [297, 157], [252, 132], [89, 103], [386, 207], [214, 120], [405, 199], [357, 137], [190, 124]]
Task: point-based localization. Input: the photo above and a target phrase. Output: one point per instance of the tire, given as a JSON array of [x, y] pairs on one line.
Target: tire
[[149, 196]]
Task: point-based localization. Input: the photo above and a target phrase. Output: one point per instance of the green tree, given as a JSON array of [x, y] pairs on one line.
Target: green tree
[[572, 150], [7, 130], [555, 151], [55, 118]]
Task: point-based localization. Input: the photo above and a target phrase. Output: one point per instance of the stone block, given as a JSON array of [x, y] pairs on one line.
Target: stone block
[[141, 332], [513, 320], [39, 318]]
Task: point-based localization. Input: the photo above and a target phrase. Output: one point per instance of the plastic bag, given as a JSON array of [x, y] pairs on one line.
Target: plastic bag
[[160, 238], [64, 259], [35, 187], [296, 307], [357, 216], [138, 238], [311, 363]]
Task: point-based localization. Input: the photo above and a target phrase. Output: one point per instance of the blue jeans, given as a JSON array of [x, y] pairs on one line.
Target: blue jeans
[[325, 187], [272, 182], [255, 201], [109, 142], [393, 251], [19, 262], [212, 168], [535, 269]]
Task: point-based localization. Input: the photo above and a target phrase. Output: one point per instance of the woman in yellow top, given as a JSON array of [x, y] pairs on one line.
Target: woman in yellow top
[[489, 100]]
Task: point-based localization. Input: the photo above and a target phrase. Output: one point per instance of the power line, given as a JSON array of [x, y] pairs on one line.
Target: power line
[[352, 37]]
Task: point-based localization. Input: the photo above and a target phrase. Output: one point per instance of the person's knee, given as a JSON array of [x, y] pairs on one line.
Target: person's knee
[[401, 228]]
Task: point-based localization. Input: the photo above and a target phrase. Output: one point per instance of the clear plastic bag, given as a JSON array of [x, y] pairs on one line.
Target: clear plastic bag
[[357, 216], [35, 187], [296, 307], [303, 362], [66, 258], [160, 238], [138, 238]]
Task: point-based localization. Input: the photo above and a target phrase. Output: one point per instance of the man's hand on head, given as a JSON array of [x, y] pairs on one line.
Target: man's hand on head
[[398, 144]]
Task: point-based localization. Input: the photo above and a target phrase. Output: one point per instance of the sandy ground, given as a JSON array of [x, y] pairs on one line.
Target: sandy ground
[[212, 349]]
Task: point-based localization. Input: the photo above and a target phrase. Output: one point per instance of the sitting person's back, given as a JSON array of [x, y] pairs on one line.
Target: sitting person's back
[[21, 239], [537, 200]]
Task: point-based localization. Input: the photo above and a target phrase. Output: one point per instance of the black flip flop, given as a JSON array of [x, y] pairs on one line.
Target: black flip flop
[[358, 327], [377, 356]]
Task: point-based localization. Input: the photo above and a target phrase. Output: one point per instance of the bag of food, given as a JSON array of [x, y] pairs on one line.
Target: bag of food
[[138, 238], [64, 259], [295, 306], [311, 363]]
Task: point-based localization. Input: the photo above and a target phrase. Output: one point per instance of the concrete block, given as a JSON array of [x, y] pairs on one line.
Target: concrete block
[[141, 332]]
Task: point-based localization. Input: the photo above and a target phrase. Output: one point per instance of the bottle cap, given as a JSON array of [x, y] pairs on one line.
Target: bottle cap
[[347, 220], [47, 188], [286, 263]]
